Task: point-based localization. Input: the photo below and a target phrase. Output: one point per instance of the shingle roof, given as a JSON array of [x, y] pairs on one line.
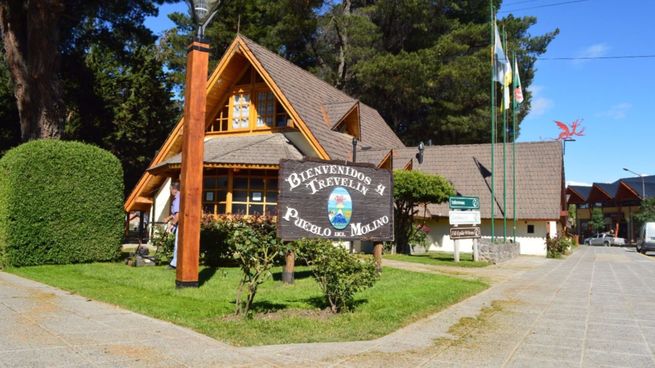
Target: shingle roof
[[244, 150], [582, 190], [312, 97], [539, 176], [371, 156]]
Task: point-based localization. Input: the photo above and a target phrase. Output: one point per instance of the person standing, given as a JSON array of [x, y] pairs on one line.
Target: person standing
[[173, 219]]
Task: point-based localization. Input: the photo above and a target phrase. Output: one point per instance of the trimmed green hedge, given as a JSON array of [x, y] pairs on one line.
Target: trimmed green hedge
[[60, 202]]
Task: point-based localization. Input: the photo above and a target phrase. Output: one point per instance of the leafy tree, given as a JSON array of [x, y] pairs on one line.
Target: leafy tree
[[423, 64], [597, 220], [573, 213], [646, 212], [40, 36], [410, 190], [10, 130], [124, 106], [87, 71], [286, 26]]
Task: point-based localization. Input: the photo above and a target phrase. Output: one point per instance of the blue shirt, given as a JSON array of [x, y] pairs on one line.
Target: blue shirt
[[175, 206]]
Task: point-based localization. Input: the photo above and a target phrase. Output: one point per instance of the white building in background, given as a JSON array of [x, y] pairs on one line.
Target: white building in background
[[540, 191]]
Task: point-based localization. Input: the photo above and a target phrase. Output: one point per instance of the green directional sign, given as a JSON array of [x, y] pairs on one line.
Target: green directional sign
[[464, 203]]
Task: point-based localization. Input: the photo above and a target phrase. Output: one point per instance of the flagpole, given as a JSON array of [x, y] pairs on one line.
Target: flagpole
[[514, 107], [493, 117], [505, 149]]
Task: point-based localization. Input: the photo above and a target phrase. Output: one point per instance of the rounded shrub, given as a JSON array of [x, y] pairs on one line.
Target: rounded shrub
[[60, 202]]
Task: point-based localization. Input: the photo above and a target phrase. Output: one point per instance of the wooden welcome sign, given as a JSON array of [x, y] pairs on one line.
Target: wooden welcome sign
[[332, 200]]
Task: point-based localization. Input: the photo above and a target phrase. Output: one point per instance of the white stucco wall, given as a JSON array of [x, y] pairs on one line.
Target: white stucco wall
[[531, 244], [161, 203]]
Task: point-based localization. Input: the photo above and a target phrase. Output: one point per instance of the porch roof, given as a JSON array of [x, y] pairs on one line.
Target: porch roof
[[256, 150]]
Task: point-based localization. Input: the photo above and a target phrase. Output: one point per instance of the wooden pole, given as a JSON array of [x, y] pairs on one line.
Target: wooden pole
[[287, 274], [377, 254], [193, 134], [476, 250], [456, 253]]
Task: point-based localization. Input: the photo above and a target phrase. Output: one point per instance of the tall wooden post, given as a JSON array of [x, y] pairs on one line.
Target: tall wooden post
[[188, 252]]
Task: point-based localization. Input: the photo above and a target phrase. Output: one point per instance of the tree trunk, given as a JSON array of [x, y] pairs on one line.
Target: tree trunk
[[30, 34], [342, 35]]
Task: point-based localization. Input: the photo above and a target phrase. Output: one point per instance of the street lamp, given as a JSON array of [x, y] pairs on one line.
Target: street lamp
[[564, 143], [203, 11], [419, 155], [643, 185], [193, 134]]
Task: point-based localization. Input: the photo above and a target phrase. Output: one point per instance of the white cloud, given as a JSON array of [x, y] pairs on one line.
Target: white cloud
[[616, 112], [578, 183], [540, 104], [596, 50]]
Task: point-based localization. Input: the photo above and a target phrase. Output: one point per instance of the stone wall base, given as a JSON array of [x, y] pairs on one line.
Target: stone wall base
[[498, 252]]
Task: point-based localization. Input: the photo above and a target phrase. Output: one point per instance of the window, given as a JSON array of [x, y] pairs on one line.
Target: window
[[265, 109], [255, 192], [281, 117], [530, 229], [240, 110], [214, 192], [220, 121], [251, 105]]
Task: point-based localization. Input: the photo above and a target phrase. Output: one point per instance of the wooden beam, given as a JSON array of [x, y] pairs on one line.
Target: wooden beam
[[195, 97]]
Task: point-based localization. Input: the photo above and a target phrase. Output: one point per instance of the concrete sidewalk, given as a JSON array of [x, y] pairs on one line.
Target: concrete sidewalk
[[590, 309]]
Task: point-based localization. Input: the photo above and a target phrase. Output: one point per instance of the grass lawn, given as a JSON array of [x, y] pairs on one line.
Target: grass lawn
[[438, 258], [285, 313]]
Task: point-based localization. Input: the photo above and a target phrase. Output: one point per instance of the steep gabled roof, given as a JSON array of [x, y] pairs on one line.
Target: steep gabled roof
[[539, 176], [312, 97]]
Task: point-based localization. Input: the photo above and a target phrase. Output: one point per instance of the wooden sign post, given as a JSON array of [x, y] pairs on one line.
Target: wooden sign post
[[464, 211], [193, 134]]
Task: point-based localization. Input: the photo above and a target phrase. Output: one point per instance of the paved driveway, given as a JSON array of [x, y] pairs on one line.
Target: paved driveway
[[592, 309]]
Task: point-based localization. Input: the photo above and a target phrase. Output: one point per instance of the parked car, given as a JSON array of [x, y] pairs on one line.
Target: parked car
[[605, 239], [646, 240]]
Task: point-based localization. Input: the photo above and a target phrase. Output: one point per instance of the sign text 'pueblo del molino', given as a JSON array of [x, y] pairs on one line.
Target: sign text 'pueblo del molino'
[[327, 199]]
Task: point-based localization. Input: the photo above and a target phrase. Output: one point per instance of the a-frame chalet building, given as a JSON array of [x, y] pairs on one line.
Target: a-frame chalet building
[[261, 108]]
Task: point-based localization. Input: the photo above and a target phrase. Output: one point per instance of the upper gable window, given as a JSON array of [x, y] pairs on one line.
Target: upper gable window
[[265, 109], [241, 110], [250, 106]]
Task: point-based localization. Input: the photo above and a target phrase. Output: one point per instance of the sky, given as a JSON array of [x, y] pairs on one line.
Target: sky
[[614, 98]]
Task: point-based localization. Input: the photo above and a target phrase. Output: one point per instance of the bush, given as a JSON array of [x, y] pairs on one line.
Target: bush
[[558, 246], [214, 235], [165, 243], [339, 274], [60, 202], [255, 246]]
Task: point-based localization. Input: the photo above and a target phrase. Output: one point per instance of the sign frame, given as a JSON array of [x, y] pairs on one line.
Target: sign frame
[[372, 219], [477, 217], [477, 233], [463, 203]]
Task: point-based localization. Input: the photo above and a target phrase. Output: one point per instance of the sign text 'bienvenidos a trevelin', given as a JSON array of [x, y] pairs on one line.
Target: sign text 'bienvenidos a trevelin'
[[335, 201]]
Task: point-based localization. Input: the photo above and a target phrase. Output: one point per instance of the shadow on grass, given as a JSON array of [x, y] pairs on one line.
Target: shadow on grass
[[267, 307], [298, 275], [206, 274], [321, 303]]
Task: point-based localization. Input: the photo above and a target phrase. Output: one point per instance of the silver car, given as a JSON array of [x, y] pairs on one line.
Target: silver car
[[605, 239]]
